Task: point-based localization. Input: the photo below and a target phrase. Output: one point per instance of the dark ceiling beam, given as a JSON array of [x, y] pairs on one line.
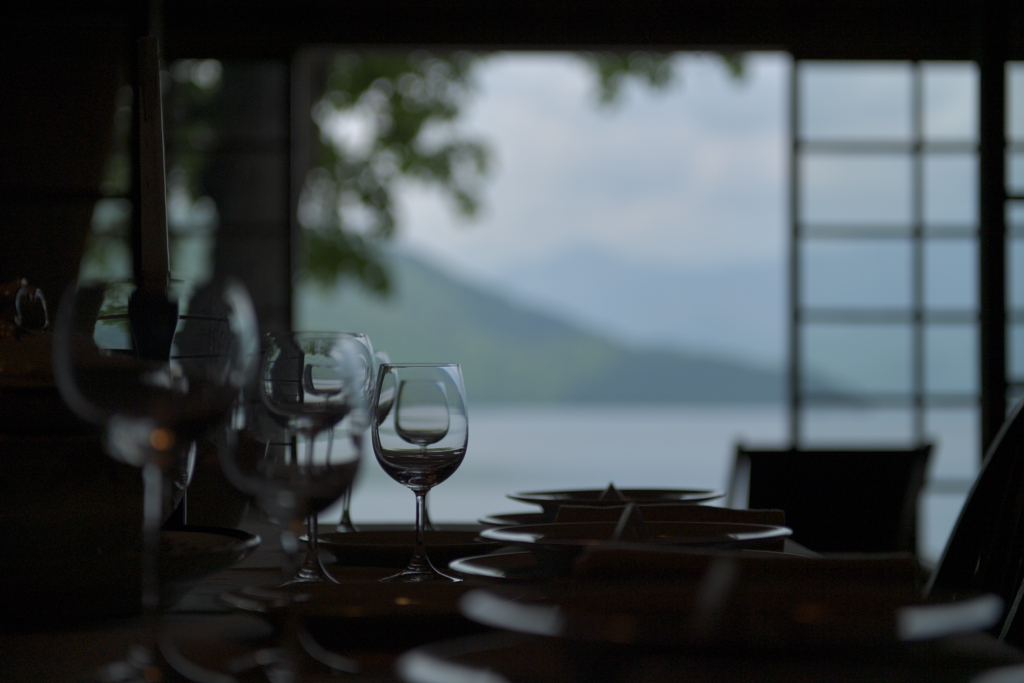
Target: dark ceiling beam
[[848, 29]]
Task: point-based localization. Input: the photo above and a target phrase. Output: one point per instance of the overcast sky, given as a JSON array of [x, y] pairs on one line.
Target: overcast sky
[[694, 175], [682, 195]]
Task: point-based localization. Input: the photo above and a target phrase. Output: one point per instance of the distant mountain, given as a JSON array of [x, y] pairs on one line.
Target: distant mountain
[[511, 353], [736, 309]]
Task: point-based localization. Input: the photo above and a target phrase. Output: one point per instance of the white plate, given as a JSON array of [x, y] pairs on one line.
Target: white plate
[[520, 565], [550, 501], [510, 518], [583, 534]]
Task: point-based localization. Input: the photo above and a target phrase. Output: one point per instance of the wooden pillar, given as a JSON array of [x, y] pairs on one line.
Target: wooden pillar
[[248, 177], [992, 218]]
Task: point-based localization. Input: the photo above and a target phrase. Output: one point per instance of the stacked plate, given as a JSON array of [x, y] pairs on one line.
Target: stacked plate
[[558, 546], [551, 501], [727, 616], [555, 547]]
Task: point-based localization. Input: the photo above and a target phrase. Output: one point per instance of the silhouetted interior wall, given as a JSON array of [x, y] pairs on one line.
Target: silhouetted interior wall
[[248, 177], [56, 115]]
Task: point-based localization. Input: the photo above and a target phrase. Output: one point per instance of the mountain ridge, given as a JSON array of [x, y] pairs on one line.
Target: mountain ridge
[[510, 353], [733, 308]]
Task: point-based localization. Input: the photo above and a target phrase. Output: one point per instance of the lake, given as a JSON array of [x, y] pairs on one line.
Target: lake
[[523, 448]]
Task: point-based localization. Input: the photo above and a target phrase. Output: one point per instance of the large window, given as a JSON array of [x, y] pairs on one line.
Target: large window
[[884, 264], [884, 304], [1015, 230]]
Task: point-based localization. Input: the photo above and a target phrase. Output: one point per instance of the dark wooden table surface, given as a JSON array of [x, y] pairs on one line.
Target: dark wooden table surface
[[211, 632]]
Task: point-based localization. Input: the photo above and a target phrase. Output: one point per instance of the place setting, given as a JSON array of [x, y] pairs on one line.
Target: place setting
[[685, 613], [189, 406], [154, 369], [298, 447], [301, 431], [551, 542], [290, 414], [418, 435], [551, 502], [628, 575], [633, 592], [661, 637]]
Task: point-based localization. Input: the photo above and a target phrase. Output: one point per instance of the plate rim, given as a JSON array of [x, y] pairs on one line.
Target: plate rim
[[327, 540], [521, 534], [496, 522], [244, 540], [550, 496], [462, 561]]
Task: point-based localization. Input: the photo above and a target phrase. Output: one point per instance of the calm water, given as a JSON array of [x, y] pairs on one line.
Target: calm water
[[551, 447]]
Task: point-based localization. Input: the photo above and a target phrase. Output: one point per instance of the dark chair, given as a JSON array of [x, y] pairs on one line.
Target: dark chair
[[836, 500], [985, 552]]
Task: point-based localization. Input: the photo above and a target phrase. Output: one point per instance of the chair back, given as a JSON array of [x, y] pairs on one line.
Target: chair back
[[985, 551], [836, 500]]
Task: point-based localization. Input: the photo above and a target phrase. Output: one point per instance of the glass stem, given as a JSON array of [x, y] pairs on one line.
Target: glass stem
[[419, 557], [152, 516], [427, 524], [313, 560], [346, 499]]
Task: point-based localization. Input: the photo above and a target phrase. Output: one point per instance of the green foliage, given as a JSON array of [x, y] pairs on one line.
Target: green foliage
[[404, 109], [193, 120], [384, 118], [117, 172], [735, 63], [107, 252], [652, 69], [614, 69], [331, 253]]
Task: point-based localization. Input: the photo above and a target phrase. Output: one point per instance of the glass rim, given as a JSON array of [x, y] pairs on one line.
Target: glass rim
[[314, 333], [420, 365]]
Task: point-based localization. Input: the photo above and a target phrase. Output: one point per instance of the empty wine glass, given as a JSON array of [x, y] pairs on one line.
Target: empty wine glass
[[291, 482], [420, 431], [345, 525], [156, 374], [311, 383]]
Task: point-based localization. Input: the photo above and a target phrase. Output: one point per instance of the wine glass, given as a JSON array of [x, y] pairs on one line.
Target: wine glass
[[309, 385], [345, 525], [156, 374], [420, 431], [313, 383]]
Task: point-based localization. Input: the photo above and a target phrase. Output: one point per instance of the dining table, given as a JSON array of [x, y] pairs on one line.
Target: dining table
[[226, 619]]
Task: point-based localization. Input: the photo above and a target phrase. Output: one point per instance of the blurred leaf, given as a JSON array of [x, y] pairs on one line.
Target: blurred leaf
[[336, 255], [384, 118], [654, 70], [735, 62], [614, 69]]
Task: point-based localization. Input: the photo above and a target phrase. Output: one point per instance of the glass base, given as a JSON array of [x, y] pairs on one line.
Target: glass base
[[311, 572], [420, 571], [345, 525]]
